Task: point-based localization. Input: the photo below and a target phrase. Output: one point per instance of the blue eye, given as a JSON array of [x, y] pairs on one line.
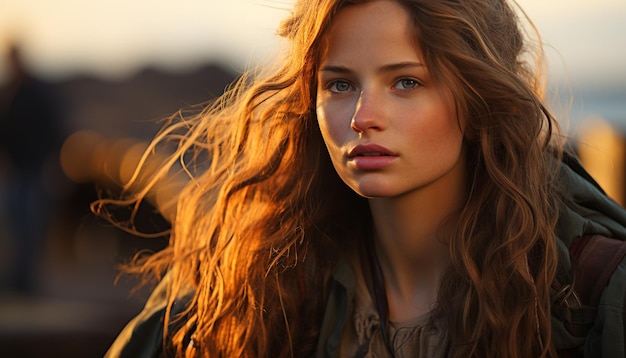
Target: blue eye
[[339, 86], [407, 83]]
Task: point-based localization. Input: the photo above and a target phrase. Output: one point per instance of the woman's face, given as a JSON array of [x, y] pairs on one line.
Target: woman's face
[[389, 127]]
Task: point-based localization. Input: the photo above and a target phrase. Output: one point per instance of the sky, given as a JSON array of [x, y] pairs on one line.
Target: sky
[[585, 40]]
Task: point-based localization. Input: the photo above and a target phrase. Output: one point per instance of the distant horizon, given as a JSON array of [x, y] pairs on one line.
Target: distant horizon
[[576, 103], [615, 85], [114, 38]]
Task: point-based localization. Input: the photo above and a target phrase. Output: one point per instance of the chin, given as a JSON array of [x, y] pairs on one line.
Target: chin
[[372, 186], [373, 192]]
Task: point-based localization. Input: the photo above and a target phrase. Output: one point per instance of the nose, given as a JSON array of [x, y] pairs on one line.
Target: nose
[[367, 113]]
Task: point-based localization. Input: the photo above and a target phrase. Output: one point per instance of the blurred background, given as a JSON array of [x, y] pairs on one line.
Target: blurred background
[[83, 85]]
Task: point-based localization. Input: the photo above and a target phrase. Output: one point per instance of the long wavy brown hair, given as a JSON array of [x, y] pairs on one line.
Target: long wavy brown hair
[[264, 217]]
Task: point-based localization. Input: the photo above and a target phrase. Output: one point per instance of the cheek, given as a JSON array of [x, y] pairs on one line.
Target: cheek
[[447, 126], [458, 118], [449, 134], [327, 124], [436, 132], [322, 120]]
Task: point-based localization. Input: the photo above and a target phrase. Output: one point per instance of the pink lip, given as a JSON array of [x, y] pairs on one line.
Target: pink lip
[[362, 149], [371, 156]]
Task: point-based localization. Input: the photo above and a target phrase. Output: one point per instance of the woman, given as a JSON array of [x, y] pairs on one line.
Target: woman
[[392, 189]]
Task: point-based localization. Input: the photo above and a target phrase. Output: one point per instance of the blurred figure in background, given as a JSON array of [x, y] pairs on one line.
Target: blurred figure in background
[[29, 140]]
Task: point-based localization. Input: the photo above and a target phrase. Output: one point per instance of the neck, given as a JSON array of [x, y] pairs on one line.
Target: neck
[[410, 234]]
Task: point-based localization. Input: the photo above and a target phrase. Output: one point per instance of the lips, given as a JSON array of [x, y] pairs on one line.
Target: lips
[[370, 154], [370, 150], [370, 157]]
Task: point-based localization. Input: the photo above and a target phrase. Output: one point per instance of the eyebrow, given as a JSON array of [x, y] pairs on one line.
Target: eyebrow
[[385, 68]]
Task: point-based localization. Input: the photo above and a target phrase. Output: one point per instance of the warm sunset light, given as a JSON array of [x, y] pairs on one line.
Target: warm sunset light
[[602, 150], [87, 85], [79, 156], [115, 38]]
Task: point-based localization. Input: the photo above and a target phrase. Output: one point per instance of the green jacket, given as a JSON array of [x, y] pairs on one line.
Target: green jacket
[[590, 211]]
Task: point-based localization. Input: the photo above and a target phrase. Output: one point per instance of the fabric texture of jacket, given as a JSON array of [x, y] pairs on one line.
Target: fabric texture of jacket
[[587, 211]]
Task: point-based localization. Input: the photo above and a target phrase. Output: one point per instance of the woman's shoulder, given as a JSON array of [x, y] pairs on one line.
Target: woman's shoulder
[[143, 335], [591, 232]]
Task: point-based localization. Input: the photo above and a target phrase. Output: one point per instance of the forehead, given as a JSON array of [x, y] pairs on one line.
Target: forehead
[[372, 28]]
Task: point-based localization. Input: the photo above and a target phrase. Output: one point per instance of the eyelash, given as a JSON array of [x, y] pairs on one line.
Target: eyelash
[[414, 84], [330, 85]]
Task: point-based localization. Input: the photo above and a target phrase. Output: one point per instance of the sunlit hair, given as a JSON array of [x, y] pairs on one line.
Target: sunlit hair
[[496, 296], [264, 216]]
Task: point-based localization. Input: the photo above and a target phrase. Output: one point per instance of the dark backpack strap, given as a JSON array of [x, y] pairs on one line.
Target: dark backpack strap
[[595, 258]]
